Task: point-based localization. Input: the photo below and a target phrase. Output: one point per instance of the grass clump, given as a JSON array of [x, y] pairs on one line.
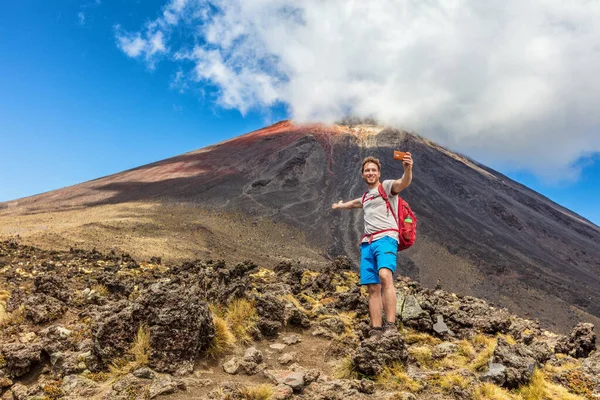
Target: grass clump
[[259, 392], [242, 318], [483, 357], [412, 337], [541, 389], [452, 380], [14, 318], [422, 354], [223, 341], [344, 369], [102, 290], [489, 391], [137, 356], [395, 378]]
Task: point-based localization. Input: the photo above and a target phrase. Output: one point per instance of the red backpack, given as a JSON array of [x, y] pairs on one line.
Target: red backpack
[[406, 220]]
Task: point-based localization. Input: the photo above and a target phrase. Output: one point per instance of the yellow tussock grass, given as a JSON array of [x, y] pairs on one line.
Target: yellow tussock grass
[[241, 316], [14, 318], [453, 380], [412, 337], [489, 391], [259, 392], [422, 354], [344, 369], [223, 341], [541, 389], [137, 356], [395, 378], [102, 290]]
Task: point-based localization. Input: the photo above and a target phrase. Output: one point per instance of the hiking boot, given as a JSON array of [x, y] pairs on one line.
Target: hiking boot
[[375, 333], [390, 327]]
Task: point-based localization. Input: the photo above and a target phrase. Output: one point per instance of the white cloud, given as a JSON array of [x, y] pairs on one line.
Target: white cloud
[[81, 18], [505, 81]]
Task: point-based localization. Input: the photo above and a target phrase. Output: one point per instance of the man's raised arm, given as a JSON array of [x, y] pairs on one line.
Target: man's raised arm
[[399, 184], [356, 203]]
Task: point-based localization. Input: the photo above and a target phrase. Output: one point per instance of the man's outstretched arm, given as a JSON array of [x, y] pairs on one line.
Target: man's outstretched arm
[[356, 203], [400, 184]]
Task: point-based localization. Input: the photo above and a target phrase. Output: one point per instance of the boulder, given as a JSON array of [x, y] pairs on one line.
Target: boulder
[[374, 354], [580, 343], [18, 358], [178, 319], [518, 361]]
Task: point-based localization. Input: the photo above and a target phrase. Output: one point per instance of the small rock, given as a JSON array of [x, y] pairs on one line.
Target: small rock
[[63, 332], [125, 383], [440, 326], [321, 331], [333, 324], [144, 373], [282, 392], [232, 366], [293, 379], [27, 337], [163, 385], [78, 386], [496, 374], [5, 382], [287, 358], [366, 386], [278, 346], [253, 355], [443, 349], [292, 339]]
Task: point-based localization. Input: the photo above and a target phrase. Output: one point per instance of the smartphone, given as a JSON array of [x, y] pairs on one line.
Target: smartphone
[[399, 155]]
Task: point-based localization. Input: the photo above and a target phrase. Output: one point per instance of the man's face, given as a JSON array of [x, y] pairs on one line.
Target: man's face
[[371, 173]]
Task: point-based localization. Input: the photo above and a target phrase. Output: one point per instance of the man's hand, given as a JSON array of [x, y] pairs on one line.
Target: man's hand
[[407, 161], [337, 205], [400, 184]]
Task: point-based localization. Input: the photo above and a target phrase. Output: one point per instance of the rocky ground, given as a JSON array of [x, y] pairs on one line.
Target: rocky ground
[[84, 324]]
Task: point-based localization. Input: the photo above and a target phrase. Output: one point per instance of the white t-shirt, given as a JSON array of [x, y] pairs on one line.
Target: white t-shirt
[[376, 214]]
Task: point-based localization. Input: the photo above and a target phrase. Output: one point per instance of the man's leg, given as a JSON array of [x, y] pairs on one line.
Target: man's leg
[[375, 305], [388, 294]]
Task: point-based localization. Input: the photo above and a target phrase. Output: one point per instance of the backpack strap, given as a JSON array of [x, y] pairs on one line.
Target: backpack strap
[[383, 194]]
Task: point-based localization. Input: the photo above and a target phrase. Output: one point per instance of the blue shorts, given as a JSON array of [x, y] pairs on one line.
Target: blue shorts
[[380, 253]]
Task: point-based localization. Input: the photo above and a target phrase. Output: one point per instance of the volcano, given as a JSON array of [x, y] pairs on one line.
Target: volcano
[[480, 233]]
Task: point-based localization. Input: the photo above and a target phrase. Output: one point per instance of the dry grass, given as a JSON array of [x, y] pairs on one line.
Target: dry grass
[[259, 392], [452, 380], [137, 356], [308, 276], [224, 340], [422, 354], [344, 369], [511, 340], [412, 337], [395, 378], [489, 391], [14, 318], [541, 389], [241, 317], [102, 290], [483, 357]]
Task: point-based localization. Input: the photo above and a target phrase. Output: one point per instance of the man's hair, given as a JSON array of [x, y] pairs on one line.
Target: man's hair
[[370, 160]]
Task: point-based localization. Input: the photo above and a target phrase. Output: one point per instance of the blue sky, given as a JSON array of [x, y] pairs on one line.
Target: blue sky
[[75, 106]]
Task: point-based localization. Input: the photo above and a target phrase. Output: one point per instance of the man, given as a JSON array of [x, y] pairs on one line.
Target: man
[[379, 246]]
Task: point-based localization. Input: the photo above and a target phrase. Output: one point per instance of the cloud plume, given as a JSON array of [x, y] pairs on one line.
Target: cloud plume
[[505, 81]]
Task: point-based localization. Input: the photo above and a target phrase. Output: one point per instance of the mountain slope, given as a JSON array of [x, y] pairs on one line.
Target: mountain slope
[[480, 233]]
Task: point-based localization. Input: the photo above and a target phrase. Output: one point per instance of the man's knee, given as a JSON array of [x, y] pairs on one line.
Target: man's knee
[[374, 289], [386, 277]]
